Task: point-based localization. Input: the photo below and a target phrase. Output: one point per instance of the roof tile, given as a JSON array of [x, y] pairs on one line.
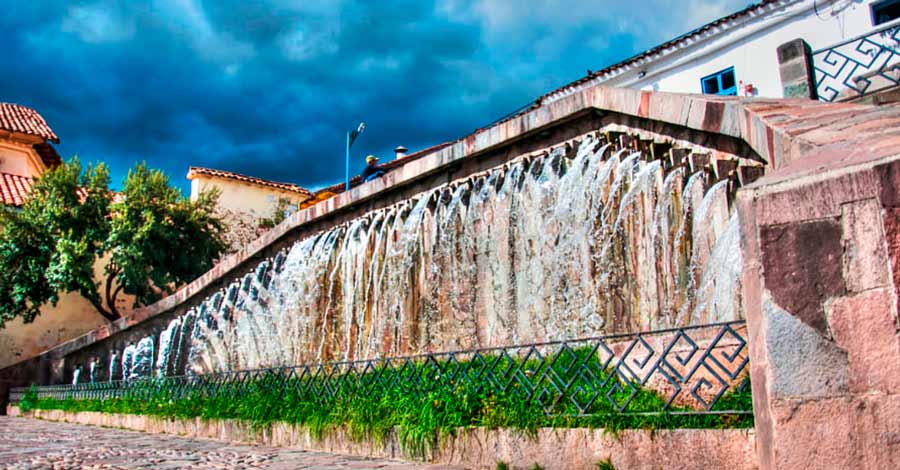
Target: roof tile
[[18, 118], [195, 170]]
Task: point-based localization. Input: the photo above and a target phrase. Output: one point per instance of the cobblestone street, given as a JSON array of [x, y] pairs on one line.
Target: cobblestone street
[[33, 444]]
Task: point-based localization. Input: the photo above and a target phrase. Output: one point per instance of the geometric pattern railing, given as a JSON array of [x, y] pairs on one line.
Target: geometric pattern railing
[[859, 66], [680, 371]]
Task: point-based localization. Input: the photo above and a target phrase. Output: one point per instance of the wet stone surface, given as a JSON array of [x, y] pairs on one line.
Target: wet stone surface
[[33, 444]]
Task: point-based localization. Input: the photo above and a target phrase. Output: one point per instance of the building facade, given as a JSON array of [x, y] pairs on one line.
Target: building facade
[[738, 55], [248, 205]]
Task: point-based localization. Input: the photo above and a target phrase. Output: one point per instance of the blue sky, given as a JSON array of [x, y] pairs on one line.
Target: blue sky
[[268, 88]]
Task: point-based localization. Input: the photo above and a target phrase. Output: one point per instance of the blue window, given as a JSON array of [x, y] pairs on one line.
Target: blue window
[[720, 83], [885, 11]]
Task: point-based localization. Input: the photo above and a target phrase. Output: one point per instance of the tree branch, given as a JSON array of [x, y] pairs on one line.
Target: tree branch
[[111, 316], [111, 294]]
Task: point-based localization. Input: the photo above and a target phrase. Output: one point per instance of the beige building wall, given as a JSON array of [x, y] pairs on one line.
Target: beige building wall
[[72, 317], [18, 157], [243, 205], [244, 197]]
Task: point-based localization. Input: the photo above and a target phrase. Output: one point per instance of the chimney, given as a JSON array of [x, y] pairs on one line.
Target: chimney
[[401, 151]]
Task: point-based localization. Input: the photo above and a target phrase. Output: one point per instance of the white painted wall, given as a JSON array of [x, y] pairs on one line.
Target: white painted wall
[[750, 47]]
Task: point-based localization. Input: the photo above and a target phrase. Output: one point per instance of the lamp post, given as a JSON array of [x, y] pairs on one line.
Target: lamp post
[[351, 137]]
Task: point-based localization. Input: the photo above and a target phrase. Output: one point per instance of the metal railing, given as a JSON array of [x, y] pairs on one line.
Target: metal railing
[[679, 371], [859, 66]]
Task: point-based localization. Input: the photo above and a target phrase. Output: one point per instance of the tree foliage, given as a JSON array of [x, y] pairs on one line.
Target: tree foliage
[[150, 237]]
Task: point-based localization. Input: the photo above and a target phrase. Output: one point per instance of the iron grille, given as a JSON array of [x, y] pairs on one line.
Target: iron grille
[[688, 370], [859, 66]]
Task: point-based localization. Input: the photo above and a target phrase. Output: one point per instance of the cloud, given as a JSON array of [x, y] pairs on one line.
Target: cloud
[[270, 87], [97, 24]]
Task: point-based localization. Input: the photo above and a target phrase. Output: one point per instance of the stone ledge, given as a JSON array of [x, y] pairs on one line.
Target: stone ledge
[[471, 447]]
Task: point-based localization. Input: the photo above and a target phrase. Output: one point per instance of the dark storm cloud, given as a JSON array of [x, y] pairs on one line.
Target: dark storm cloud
[[269, 88]]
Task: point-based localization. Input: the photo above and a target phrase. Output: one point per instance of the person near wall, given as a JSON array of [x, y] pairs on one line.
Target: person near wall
[[372, 169]]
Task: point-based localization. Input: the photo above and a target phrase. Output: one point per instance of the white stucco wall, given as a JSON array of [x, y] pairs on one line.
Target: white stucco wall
[[751, 48]]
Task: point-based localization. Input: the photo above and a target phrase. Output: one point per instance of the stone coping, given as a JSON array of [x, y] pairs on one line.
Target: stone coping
[[477, 448], [783, 132]]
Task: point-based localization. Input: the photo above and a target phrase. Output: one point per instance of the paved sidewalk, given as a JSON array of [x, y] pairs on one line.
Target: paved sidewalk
[[32, 444]]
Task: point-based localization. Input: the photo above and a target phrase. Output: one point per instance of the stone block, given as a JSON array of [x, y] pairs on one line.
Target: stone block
[[816, 434], [802, 364], [878, 431], [802, 268], [865, 263], [815, 200], [796, 70], [865, 326], [891, 226]]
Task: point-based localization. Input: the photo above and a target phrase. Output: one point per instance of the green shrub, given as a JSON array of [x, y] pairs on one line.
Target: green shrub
[[419, 404]]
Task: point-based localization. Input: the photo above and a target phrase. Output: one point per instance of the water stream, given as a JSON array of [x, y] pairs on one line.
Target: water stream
[[543, 248]]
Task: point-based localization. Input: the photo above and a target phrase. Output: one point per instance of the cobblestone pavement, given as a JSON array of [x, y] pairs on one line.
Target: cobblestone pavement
[[32, 444]]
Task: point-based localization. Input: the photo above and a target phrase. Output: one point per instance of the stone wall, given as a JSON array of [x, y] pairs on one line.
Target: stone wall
[[476, 448], [820, 297]]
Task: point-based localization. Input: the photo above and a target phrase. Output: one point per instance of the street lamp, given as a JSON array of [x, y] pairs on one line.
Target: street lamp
[[351, 137]]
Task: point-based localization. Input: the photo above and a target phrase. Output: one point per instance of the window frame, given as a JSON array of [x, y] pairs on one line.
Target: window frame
[[881, 4], [732, 90]]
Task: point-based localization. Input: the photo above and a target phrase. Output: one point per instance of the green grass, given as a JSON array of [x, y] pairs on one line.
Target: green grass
[[418, 410], [605, 464]]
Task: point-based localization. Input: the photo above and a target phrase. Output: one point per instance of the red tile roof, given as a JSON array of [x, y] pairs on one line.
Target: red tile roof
[[18, 118], [195, 170], [14, 189]]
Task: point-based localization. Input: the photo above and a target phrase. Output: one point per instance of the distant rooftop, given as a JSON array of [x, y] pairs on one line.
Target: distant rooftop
[[195, 171], [18, 118]]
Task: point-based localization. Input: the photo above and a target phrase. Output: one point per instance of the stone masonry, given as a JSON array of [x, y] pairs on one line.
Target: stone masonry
[[821, 255]]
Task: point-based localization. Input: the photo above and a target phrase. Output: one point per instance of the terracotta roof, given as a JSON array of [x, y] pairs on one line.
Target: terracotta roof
[[678, 41], [195, 170], [356, 180], [18, 118], [14, 189]]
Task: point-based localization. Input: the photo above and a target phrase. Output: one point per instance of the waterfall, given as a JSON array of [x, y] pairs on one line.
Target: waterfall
[[167, 339], [113, 360], [137, 359], [570, 244]]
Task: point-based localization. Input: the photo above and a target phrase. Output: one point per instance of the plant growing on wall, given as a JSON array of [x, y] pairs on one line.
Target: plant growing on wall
[[150, 239], [283, 209]]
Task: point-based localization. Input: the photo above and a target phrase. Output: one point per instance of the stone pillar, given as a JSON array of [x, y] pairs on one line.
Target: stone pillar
[[821, 270], [796, 69]]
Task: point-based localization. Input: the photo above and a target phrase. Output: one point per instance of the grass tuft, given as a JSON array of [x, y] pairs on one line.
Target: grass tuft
[[422, 412]]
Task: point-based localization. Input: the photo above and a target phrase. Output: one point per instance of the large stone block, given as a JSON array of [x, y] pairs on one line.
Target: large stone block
[[864, 325], [802, 268], [878, 431], [816, 434], [802, 364], [865, 258]]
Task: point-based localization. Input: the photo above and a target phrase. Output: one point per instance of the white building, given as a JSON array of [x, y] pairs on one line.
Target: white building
[[737, 54]]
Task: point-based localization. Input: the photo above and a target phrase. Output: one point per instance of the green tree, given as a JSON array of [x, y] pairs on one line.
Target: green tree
[[152, 238]]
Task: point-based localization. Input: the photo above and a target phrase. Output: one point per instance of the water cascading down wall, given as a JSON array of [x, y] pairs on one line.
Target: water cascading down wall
[[582, 241]]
